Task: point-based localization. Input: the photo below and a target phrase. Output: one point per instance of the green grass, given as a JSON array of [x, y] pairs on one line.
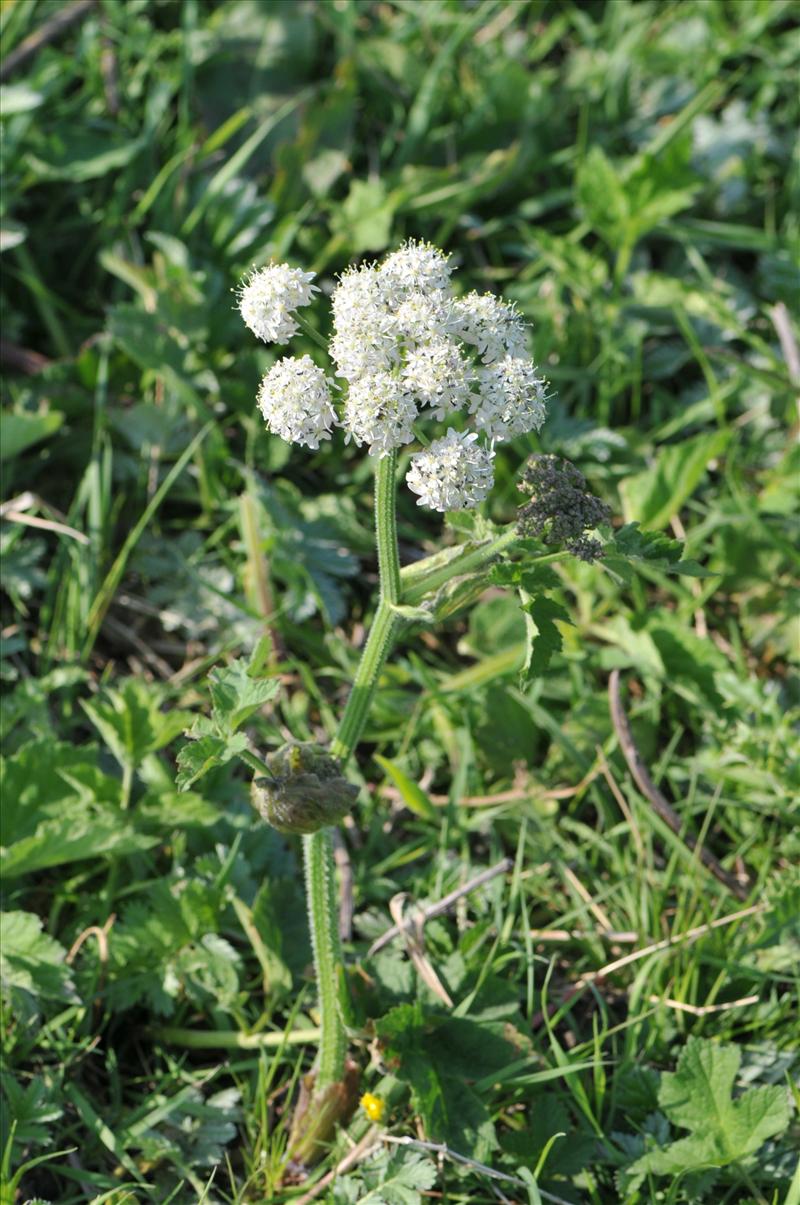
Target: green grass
[[625, 173]]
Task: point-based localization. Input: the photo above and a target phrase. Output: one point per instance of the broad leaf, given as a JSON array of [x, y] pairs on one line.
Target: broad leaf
[[32, 965], [698, 1096], [131, 722], [659, 551]]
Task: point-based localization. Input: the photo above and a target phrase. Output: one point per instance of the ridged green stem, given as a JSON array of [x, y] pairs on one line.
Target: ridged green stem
[[317, 848]]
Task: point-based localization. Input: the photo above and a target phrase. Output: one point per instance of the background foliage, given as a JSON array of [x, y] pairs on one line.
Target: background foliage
[[624, 172]]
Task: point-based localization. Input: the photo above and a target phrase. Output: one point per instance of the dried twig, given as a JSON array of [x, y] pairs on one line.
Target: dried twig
[[651, 792], [666, 942], [783, 328], [445, 903], [15, 509], [513, 795], [622, 937], [600, 915], [48, 32], [93, 931], [362, 1150], [702, 1010], [412, 926]]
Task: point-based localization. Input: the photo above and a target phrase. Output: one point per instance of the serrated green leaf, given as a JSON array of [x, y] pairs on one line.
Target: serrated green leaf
[[196, 759], [698, 1096], [32, 962], [395, 1178], [61, 841], [651, 547], [34, 1107], [544, 639], [435, 1055], [131, 722], [236, 694]]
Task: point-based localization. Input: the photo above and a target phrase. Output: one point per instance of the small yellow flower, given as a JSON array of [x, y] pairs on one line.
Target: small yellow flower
[[373, 1106]]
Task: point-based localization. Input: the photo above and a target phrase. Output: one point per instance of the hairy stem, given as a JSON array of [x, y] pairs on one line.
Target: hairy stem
[[419, 579], [321, 902], [317, 848]]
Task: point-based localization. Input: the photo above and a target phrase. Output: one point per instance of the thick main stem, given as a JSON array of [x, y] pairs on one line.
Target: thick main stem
[[317, 848]]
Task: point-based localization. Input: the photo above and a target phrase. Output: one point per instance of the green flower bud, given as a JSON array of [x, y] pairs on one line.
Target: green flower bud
[[306, 792], [561, 509]]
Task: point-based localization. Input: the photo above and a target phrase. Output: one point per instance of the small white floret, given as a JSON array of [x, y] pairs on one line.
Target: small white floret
[[365, 333], [491, 325], [295, 401], [415, 267], [268, 298], [454, 473], [511, 398], [421, 317], [379, 411], [439, 376]]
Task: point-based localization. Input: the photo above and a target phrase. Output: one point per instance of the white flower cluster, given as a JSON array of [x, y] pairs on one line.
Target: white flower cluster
[[268, 297], [454, 473], [296, 402], [407, 349]]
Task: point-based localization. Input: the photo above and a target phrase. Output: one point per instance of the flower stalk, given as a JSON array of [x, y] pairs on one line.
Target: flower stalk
[[317, 848]]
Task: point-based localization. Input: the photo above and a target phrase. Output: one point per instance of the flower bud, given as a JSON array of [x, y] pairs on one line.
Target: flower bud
[[561, 509], [306, 792]]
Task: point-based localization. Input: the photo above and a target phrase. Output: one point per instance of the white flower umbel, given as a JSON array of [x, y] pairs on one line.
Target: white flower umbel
[[491, 325], [268, 297], [365, 337], [379, 411], [511, 399], [439, 376], [415, 267], [454, 473], [295, 401]]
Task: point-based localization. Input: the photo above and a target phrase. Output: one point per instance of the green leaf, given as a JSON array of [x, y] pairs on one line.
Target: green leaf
[[32, 965], [365, 217], [83, 151], [12, 234], [437, 1055], [654, 548], [236, 694], [388, 1178], [131, 722], [197, 759], [413, 795], [654, 496], [543, 636], [34, 1108], [602, 198], [18, 98], [698, 1096], [21, 431], [70, 839]]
